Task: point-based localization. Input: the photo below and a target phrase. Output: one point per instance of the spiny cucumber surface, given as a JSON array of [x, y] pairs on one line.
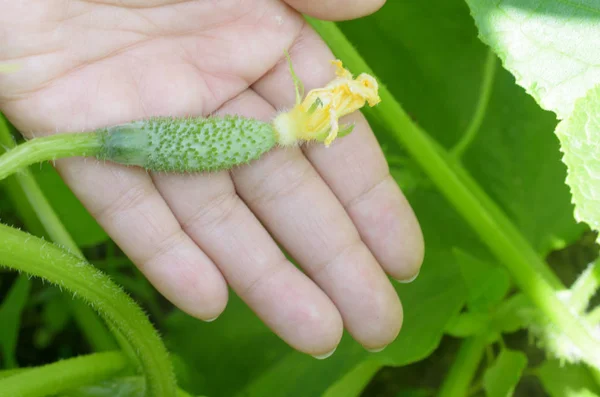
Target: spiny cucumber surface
[[187, 145]]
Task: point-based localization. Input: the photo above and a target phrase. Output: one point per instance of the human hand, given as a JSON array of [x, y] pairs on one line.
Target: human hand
[[89, 64]]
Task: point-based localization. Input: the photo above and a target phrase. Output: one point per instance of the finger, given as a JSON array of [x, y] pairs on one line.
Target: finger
[[209, 209], [298, 208], [127, 205], [354, 167], [336, 10]]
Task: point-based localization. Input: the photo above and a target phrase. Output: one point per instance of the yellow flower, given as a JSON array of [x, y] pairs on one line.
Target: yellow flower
[[317, 116]]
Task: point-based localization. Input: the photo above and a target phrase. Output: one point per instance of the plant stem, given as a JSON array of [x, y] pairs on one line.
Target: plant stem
[[34, 195], [49, 148], [64, 375], [463, 370], [489, 71], [32, 255], [91, 326], [530, 273]]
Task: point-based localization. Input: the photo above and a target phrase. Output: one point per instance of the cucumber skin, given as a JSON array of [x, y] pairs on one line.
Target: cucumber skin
[[187, 145]]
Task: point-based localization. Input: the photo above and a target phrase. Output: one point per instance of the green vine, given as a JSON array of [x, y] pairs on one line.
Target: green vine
[[52, 224], [32, 255], [530, 273]]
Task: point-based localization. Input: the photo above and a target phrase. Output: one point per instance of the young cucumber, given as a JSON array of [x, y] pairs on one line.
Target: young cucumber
[[195, 144]]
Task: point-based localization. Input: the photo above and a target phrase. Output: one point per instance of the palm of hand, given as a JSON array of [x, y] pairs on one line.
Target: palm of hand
[[84, 65]]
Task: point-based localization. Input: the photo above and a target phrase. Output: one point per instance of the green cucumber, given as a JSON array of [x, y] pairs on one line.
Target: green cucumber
[[187, 145]]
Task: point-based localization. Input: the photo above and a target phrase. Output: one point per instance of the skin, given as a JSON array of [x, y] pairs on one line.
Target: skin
[[89, 64]]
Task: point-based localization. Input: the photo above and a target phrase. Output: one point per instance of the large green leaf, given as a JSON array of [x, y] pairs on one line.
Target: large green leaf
[[552, 49], [579, 135], [516, 158], [551, 46]]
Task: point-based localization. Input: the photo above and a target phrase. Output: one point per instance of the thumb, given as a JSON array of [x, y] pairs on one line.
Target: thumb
[[336, 10]]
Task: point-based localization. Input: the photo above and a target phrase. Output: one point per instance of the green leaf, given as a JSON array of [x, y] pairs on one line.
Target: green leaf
[[10, 318], [80, 224], [579, 134], [516, 159], [502, 377], [550, 45], [567, 380], [486, 284]]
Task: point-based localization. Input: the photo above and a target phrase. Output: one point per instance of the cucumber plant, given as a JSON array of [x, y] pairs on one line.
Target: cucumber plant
[[486, 275]]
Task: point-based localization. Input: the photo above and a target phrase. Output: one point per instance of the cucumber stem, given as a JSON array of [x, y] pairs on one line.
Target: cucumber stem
[[27, 189], [49, 148]]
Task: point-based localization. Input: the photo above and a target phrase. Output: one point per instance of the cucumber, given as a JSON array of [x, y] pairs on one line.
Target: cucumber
[[187, 145]]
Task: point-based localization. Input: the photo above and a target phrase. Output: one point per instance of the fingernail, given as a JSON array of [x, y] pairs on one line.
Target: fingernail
[[210, 320], [326, 355], [409, 280], [377, 350]]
